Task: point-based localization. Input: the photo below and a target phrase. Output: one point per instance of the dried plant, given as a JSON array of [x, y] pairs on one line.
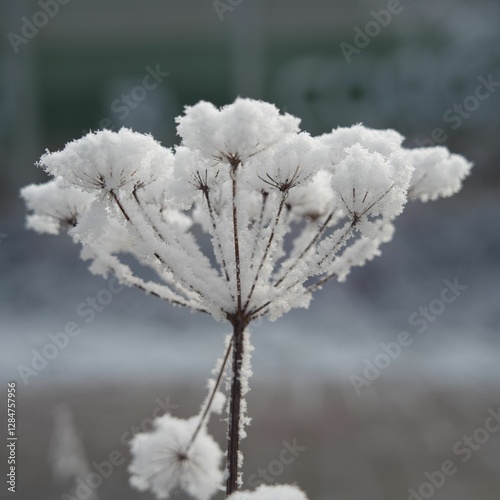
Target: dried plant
[[285, 212]]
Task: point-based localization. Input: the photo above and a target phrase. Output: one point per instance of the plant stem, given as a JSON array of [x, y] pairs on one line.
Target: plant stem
[[211, 396], [239, 325]]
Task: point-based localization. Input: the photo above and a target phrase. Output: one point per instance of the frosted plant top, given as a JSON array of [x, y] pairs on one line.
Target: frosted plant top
[[284, 211]]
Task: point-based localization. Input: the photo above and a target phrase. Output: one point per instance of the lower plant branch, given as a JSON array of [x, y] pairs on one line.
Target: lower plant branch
[[208, 406]]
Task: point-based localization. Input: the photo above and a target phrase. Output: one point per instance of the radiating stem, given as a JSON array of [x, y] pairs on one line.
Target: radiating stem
[[236, 241], [268, 247]]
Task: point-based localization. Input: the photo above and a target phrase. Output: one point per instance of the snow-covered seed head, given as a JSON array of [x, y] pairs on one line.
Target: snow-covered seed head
[[106, 161], [437, 173], [195, 176], [236, 132], [54, 206], [340, 139], [164, 460], [315, 198], [291, 163], [370, 184]]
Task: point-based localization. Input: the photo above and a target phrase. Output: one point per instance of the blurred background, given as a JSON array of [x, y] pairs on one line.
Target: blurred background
[[70, 66]]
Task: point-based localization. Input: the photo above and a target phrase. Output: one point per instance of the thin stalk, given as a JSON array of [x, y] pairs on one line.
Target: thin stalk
[[216, 234], [233, 445], [259, 225], [182, 288], [236, 241], [307, 248]]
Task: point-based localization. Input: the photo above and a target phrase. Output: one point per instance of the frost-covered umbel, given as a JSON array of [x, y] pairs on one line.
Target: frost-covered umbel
[[284, 211], [278, 212]]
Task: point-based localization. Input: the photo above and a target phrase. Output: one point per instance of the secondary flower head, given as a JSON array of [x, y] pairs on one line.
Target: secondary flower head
[[370, 184], [313, 199], [164, 461], [289, 164], [437, 173], [107, 161], [194, 176], [54, 206]]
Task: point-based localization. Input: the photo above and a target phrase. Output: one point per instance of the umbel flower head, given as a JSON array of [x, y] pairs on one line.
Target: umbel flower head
[[105, 161], [284, 211], [54, 207]]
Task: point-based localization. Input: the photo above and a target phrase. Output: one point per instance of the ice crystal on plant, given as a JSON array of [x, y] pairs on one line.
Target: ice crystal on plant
[[249, 178], [283, 212]]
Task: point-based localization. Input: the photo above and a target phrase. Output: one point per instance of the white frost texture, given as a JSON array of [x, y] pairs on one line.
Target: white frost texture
[[247, 217], [264, 492], [164, 462]]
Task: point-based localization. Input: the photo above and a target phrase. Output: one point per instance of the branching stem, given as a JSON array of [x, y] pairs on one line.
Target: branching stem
[[307, 248], [236, 240], [268, 247], [215, 388]]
